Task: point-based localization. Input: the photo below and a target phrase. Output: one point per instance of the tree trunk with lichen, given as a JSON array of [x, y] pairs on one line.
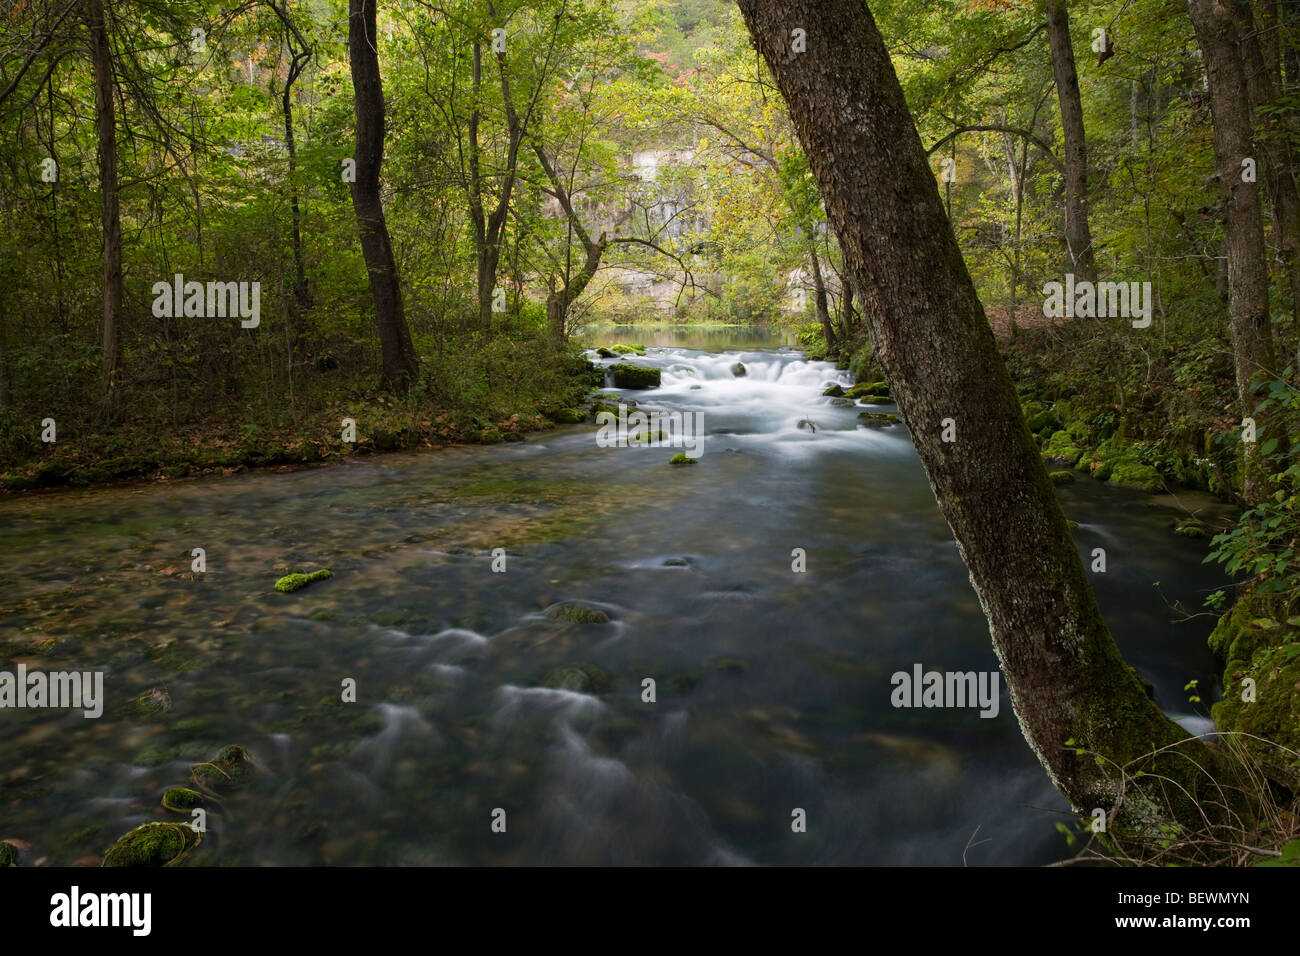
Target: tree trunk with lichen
[[1066, 677]]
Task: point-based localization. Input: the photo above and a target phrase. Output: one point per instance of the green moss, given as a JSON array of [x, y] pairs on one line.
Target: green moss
[[577, 614], [1060, 447], [292, 582], [1132, 474], [568, 416], [878, 419], [583, 678], [682, 459], [623, 349], [8, 854], [1061, 477], [1190, 527], [867, 388], [635, 376], [182, 799], [875, 400], [835, 391], [738, 370], [232, 767], [490, 436], [152, 844]]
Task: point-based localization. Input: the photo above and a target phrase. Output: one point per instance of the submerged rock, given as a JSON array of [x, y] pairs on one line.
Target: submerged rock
[[841, 402], [1061, 477], [182, 799], [153, 844], [878, 419], [582, 678], [231, 768], [292, 582], [835, 391], [575, 613]]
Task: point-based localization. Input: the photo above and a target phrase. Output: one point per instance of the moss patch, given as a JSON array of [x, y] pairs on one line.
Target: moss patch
[[292, 582], [152, 844]]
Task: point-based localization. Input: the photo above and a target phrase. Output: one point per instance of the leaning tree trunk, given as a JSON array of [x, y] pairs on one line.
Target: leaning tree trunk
[[1252, 332], [1064, 672], [400, 366], [1078, 237], [111, 223]]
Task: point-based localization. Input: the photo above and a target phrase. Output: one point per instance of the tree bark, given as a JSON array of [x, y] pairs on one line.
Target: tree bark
[[300, 53], [1252, 333], [110, 217], [1078, 237], [1064, 672], [400, 366]]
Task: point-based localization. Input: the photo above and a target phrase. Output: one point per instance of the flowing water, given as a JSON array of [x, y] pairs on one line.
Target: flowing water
[[773, 687]]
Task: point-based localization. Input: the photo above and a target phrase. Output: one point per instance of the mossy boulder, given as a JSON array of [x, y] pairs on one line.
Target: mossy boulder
[[8, 855], [1133, 474], [153, 844], [878, 420], [682, 459], [1061, 447], [867, 388], [152, 703], [230, 769], [573, 613], [582, 678], [835, 391], [841, 402], [876, 400], [1190, 527], [738, 370], [1258, 648], [292, 582], [490, 436], [606, 353], [182, 799], [635, 376], [1061, 477], [624, 349], [1039, 421]]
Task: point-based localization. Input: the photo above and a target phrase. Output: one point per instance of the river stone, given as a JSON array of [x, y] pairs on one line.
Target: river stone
[[835, 391], [878, 419], [634, 376], [575, 613], [153, 844], [738, 370], [232, 767], [582, 678]]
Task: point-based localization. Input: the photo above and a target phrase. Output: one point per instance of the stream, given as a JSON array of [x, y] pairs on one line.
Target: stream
[[773, 690]]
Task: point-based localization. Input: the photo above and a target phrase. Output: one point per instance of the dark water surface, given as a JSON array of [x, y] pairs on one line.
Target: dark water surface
[[773, 686]]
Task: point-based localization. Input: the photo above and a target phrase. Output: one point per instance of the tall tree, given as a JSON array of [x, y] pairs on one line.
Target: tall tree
[[1251, 324], [400, 366], [101, 55], [1065, 674], [1078, 237]]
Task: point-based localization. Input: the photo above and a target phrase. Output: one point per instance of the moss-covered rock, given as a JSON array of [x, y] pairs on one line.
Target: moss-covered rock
[[1258, 648], [568, 416], [841, 402], [231, 768], [738, 370], [876, 400], [182, 799], [583, 678], [292, 582], [1061, 447], [152, 703], [835, 391], [490, 436], [867, 388], [1134, 474], [1190, 527], [8, 855], [635, 376], [624, 349], [574, 613], [153, 844], [606, 353], [682, 459], [1061, 477], [878, 420]]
